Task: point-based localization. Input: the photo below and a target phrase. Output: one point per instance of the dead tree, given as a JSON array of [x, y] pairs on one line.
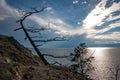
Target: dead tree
[[114, 72], [35, 30]]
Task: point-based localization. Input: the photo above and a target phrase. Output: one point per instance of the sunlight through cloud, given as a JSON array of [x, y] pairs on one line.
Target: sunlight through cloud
[[99, 20], [99, 16]]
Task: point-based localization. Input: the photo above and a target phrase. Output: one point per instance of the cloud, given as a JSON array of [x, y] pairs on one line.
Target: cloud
[[111, 17], [109, 27], [96, 15], [96, 18], [111, 36], [99, 16], [7, 11], [75, 1], [56, 24], [84, 2], [50, 10], [3, 17]]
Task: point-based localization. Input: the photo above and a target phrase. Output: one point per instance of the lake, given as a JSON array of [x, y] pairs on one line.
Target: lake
[[106, 59]]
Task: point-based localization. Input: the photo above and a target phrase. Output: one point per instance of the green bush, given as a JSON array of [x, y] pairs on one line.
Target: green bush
[[5, 74], [82, 60]]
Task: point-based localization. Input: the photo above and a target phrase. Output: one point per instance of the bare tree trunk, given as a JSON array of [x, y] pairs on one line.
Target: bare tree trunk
[[32, 43], [26, 15]]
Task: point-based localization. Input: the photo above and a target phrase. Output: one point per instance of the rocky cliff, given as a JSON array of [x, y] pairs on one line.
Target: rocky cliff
[[18, 63]]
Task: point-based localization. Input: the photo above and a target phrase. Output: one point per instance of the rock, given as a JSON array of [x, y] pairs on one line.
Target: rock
[[8, 60], [28, 76]]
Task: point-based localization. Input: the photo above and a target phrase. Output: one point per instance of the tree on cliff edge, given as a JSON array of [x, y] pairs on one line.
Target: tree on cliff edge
[[33, 39]]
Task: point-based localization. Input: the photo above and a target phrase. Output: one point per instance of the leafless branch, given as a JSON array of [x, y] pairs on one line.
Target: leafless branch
[[114, 72], [17, 29], [92, 53], [52, 39], [34, 37], [38, 31], [40, 45], [21, 22], [27, 14], [57, 63], [25, 38], [55, 56]]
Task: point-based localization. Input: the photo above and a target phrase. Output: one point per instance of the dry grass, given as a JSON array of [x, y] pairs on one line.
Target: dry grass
[[18, 63]]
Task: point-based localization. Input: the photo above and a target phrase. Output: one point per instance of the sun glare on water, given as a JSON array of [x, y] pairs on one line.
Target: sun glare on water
[[99, 53]]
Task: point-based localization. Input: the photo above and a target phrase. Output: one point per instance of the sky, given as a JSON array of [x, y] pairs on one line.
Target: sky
[[94, 22]]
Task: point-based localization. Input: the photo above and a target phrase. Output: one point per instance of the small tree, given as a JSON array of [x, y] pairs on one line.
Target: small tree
[[82, 60], [114, 72]]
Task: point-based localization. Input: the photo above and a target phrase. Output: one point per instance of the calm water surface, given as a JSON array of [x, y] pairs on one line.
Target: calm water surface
[[105, 59]]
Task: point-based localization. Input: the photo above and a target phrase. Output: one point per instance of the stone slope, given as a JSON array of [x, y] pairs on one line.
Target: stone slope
[[12, 50], [18, 63]]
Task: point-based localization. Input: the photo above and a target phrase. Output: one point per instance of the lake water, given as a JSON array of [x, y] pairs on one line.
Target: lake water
[[106, 59]]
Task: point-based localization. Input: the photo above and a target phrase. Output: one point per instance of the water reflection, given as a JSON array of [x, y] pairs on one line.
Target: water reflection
[[105, 58], [99, 53], [100, 63]]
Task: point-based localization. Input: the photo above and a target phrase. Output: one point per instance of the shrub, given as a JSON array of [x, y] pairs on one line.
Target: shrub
[[82, 61], [5, 74]]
